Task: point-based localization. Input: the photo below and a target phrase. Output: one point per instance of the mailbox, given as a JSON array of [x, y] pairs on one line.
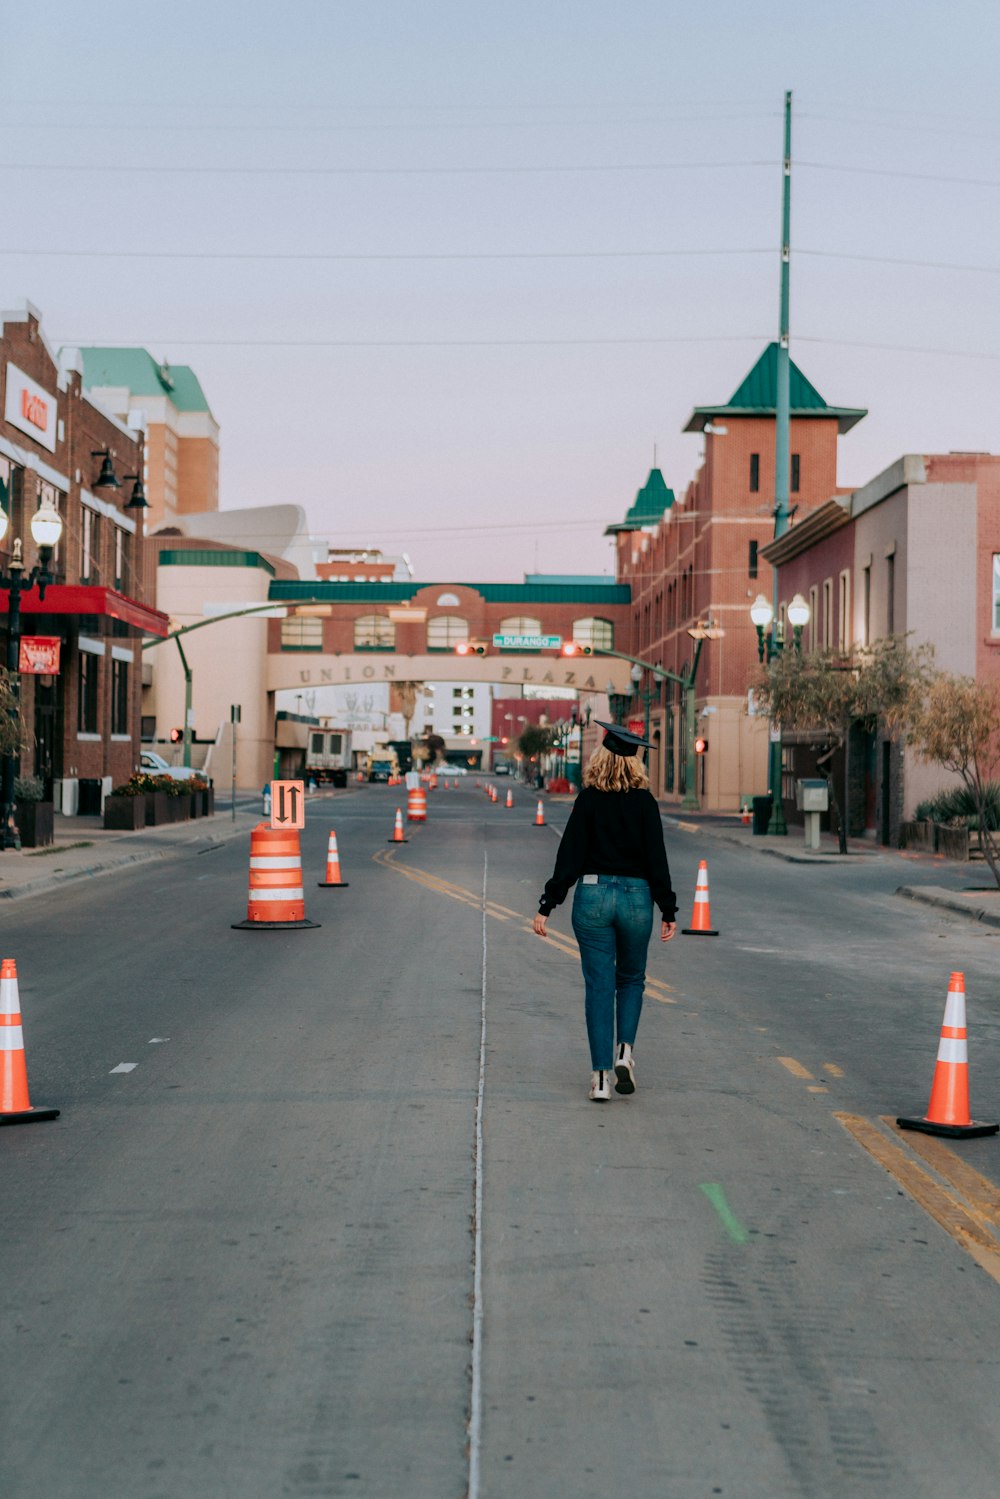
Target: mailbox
[[812, 796]]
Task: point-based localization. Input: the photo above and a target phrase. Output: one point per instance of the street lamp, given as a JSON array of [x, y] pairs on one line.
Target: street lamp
[[770, 642], [46, 529]]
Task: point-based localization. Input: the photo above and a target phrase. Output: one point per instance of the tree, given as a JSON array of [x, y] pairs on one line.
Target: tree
[[957, 725], [435, 748], [826, 692], [534, 739]]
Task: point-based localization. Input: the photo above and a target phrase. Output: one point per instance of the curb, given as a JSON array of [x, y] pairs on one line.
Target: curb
[[789, 856], [947, 900]]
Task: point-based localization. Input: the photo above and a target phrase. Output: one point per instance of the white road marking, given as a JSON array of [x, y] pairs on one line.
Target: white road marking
[[124, 1067], [158, 1040], [476, 1392]]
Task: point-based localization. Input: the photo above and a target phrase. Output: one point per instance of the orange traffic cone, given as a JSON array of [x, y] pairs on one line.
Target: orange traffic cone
[[510, 797], [540, 815], [701, 916], [397, 832], [745, 817], [948, 1110], [15, 1106], [333, 880], [276, 900]]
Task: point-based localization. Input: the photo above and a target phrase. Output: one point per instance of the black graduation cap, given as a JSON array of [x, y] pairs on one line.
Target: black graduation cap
[[622, 741]]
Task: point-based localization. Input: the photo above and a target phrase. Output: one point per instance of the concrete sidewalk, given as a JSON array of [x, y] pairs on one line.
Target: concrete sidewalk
[[82, 848], [729, 828]]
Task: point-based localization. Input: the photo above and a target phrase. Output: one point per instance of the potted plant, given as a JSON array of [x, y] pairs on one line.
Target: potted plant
[[178, 799], [154, 790], [34, 813], [198, 786], [125, 808]]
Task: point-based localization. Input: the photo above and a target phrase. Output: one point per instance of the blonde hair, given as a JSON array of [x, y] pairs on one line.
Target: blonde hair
[[608, 772]]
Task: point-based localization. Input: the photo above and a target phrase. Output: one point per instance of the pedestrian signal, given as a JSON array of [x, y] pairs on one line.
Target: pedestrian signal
[[176, 735], [700, 746]]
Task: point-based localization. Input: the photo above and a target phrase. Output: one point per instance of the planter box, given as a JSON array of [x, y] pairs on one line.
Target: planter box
[[34, 823], [953, 843], [125, 814], [194, 804], [157, 808], [918, 835], [208, 802]]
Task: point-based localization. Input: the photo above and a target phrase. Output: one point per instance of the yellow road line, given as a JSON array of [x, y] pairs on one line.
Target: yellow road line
[[982, 1195], [952, 1215], [796, 1068], [833, 1069]]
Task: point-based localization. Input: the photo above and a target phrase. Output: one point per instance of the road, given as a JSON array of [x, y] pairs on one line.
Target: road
[[349, 1225]]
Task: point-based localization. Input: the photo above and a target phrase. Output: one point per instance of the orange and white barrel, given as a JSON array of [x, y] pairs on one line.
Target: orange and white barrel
[[276, 895], [416, 805]]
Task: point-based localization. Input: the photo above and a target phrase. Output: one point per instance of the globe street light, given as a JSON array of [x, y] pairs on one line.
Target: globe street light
[[770, 642], [46, 529]]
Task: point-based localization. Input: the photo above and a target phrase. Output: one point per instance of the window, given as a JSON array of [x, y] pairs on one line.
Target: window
[[520, 624], [301, 632], [754, 472], [88, 522], [86, 692], [48, 494], [796, 472], [463, 692], [448, 601], [316, 743], [890, 594], [828, 612], [374, 632], [752, 563], [996, 593], [119, 696], [600, 633], [813, 616], [866, 622], [121, 557], [445, 631], [844, 613]]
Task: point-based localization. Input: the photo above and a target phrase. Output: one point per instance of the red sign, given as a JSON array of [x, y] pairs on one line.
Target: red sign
[[637, 726], [35, 410], [39, 655]]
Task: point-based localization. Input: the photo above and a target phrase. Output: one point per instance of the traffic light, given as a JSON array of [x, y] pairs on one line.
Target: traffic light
[[577, 648], [700, 746], [471, 648], [176, 735]]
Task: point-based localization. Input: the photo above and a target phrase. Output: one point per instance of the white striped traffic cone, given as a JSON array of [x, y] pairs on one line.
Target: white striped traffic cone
[[15, 1105], [333, 880], [948, 1111], [701, 917]]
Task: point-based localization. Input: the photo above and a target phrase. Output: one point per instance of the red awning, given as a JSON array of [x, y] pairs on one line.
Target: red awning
[[81, 598]]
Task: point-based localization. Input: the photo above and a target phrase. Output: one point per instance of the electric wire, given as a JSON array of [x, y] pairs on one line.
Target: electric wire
[[231, 170]]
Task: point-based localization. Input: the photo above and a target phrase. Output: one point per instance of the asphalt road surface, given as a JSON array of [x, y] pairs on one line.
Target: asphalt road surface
[[347, 1224]]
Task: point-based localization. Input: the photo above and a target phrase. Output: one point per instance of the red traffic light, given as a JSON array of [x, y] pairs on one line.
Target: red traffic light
[[700, 746], [470, 648], [576, 648]]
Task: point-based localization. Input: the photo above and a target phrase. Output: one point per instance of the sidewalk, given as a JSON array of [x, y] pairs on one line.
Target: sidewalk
[[82, 848], [972, 896]]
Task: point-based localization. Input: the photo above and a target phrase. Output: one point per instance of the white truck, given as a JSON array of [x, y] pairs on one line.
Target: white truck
[[328, 756]]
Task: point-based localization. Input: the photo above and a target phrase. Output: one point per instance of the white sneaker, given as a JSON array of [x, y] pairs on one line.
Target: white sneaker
[[600, 1087], [625, 1069]]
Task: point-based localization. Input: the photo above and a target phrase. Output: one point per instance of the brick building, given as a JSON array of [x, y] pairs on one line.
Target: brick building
[[875, 562], [699, 559], [82, 723], [182, 435]]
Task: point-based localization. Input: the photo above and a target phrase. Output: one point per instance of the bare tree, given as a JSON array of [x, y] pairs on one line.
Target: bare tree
[[957, 725], [826, 692]]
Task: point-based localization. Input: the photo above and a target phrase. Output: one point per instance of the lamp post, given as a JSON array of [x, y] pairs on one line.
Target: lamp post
[[645, 694], [770, 643], [46, 529]]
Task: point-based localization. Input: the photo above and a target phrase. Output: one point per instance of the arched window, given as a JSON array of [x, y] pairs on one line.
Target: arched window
[[600, 633], [301, 632], [520, 624], [448, 601], [444, 631], [374, 632]]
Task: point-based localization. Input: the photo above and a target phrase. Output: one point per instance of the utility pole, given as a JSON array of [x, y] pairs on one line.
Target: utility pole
[[782, 429]]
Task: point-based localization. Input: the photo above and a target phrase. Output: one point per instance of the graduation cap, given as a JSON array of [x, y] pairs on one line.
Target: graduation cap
[[622, 741]]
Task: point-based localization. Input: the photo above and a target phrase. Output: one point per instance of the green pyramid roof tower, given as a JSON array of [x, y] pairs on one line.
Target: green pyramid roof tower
[[651, 503], [758, 396]]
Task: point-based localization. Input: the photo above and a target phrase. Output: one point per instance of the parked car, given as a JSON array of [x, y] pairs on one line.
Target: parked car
[[155, 765], [501, 768], [452, 770]]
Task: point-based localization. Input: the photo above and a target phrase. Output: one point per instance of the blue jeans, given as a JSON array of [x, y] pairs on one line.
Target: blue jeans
[[612, 922]]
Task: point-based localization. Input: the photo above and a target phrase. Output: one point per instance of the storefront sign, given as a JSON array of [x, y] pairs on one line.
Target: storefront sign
[[30, 408], [39, 655], [636, 726]]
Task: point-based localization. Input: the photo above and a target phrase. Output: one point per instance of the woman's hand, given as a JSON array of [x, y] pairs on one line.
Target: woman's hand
[[540, 925], [668, 930]]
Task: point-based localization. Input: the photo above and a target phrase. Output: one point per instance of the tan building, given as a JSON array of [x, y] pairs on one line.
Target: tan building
[[182, 436]]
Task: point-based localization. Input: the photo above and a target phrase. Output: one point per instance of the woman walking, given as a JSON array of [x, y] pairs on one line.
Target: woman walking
[[612, 850]]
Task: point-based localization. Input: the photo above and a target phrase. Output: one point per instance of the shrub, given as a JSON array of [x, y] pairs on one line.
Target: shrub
[[957, 807], [29, 789]]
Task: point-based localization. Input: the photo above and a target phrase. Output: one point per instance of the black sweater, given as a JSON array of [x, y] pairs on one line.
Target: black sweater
[[612, 832]]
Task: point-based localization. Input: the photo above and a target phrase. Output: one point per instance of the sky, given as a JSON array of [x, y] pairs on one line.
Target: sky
[[539, 235]]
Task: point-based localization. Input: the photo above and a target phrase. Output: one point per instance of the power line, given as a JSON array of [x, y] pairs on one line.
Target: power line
[[832, 166], [322, 255], [119, 169], [845, 343], [409, 343], [933, 265]]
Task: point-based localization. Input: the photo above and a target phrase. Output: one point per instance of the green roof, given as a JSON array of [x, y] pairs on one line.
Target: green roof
[[209, 557], [757, 395], [296, 591], [649, 506], [138, 372]]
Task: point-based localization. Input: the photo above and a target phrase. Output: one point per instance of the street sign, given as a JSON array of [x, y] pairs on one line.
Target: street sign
[[288, 804], [528, 642]]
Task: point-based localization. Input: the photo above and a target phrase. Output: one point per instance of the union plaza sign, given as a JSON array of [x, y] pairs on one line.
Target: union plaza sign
[[293, 669]]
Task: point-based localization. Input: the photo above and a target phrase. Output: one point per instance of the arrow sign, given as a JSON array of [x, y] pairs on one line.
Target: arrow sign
[[288, 804]]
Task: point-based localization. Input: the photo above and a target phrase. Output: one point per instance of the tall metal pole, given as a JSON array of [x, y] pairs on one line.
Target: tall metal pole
[[10, 837], [782, 425]]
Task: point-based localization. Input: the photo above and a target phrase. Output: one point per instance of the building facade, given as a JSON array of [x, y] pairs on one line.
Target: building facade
[[81, 721], [697, 562]]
